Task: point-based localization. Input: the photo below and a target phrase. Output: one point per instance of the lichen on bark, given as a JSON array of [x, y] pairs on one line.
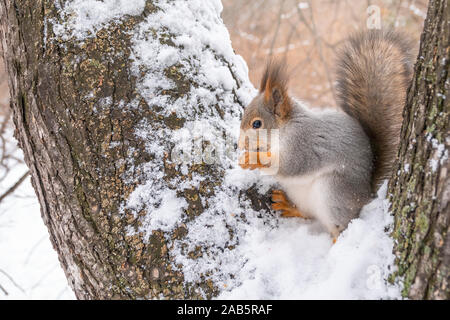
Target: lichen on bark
[[420, 195]]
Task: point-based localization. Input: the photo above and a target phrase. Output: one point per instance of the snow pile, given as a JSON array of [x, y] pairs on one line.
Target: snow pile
[[87, 16], [164, 216], [190, 38], [440, 153], [296, 259]]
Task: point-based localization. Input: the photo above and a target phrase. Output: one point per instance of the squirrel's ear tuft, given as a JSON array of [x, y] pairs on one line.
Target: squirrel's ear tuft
[[274, 87]]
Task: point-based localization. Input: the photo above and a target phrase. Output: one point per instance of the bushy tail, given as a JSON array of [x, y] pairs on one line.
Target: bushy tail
[[374, 71]]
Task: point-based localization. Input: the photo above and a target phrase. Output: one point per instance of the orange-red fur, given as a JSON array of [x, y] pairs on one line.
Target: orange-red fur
[[274, 86]]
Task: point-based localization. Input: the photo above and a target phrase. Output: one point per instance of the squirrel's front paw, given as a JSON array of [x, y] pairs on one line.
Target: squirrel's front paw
[[281, 203], [252, 160]]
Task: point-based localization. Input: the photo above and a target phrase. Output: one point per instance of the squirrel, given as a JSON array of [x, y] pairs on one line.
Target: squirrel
[[330, 163]]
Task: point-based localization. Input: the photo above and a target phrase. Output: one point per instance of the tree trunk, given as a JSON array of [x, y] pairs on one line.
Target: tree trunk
[[98, 115], [420, 188]]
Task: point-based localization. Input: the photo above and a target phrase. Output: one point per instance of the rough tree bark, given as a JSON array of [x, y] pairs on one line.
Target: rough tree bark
[[80, 143], [420, 188]]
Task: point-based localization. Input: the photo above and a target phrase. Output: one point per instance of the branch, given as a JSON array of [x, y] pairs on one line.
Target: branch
[[277, 29], [12, 281], [3, 289], [15, 186]]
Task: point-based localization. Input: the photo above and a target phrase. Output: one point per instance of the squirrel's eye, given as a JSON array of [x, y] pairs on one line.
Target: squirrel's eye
[[257, 124]]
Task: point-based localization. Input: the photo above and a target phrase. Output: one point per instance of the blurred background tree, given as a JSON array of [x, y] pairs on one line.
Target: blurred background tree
[[307, 34]]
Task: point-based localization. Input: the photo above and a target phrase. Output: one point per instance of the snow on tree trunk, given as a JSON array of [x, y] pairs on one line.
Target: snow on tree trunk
[[128, 114], [419, 190]]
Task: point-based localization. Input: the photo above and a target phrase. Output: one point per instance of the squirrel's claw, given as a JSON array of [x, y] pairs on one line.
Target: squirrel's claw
[[281, 203], [292, 214], [278, 196]]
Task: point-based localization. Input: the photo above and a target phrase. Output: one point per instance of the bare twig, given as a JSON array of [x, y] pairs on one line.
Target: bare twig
[[15, 186], [397, 12], [318, 43], [3, 289], [34, 248], [277, 29], [45, 275], [12, 280], [289, 39]]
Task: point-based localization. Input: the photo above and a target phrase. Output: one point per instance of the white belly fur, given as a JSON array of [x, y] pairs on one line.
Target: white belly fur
[[309, 194]]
